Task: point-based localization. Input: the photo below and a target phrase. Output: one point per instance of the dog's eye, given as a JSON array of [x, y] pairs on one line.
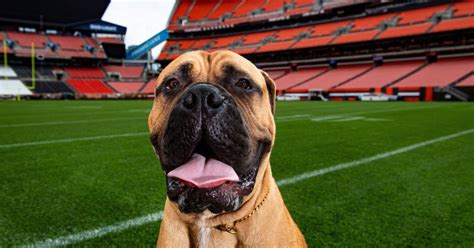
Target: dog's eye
[[244, 84], [171, 84]]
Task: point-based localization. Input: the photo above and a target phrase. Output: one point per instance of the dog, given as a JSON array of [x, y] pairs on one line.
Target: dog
[[212, 128]]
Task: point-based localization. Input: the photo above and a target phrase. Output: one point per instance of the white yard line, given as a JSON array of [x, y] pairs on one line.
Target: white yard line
[[102, 231], [379, 156], [99, 232], [290, 117], [348, 114], [68, 122], [47, 142]]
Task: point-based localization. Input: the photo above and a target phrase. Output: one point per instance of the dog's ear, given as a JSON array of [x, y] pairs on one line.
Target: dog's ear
[[270, 88]]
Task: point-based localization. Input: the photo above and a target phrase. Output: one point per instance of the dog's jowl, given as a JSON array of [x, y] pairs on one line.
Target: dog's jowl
[[212, 129]]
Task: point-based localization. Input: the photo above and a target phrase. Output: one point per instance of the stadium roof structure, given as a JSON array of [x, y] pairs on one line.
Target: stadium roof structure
[[59, 14]]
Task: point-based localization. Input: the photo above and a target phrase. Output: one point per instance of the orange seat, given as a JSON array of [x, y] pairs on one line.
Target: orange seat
[[125, 71], [313, 42], [405, 31], [25, 39], [441, 73], [467, 82], [355, 37], [370, 22], [89, 86], [127, 87], [454, 24], [276, 46], [382, 75], [333, 77], [463, 8], [296, 77], [420, 15]]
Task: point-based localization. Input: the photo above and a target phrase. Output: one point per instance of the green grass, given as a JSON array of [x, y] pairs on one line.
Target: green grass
[[420, 198]]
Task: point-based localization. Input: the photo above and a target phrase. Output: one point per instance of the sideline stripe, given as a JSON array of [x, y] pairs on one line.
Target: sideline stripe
[[47, 142], [102, 231], [67, 122]]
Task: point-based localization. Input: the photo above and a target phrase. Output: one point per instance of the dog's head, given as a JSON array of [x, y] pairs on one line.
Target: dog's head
[[212, 126]]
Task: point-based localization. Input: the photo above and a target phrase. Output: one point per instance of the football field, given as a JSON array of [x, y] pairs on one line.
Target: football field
[[83, 173]]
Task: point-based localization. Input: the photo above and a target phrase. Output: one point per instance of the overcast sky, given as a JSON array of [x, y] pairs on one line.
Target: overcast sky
[[143, 18]]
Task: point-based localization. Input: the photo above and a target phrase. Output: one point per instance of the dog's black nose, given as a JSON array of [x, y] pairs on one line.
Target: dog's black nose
[[205, 96]]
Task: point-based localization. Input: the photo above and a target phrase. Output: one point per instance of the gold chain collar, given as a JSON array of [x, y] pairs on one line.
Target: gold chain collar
[[231, 228]]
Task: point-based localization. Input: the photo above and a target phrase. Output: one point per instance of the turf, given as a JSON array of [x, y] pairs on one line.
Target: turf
[[420, 198]]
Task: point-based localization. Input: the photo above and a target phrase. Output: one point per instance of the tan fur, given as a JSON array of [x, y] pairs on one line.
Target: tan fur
[[272, 225]]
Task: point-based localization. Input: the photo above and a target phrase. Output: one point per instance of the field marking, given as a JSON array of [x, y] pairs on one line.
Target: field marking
[[67, 122], [47, 142], [102, 231], [348, 114], [356, 118], [350, 118], [86, 114], [290, 117], [99, 232], [379, 156]]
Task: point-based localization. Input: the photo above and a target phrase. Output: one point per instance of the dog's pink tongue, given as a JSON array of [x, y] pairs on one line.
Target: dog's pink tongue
[[203, 173]]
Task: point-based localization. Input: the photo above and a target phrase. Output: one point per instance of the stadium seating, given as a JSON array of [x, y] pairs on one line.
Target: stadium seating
[[13, 87], [68, 42], [89, 86], [405, 31], [181, 10], [276, 46], [440, 74], [247, 6], [410, 22], [201, 43], [314, 42], [420, 15], [355, 37], [297, 77], [468, 82], [328, 28], [371, 22], [200, 13], [275, 74], [275, 5], [463, 8], [125, 71], [49, 87], [201, 9], [26, 39], [84, 72], [334, 77], [22, 71], [111, 40], [257, 37], [149, 87], [126, 87], [223, 8], [227, 41], [381, 76], [44, 71], [454, 24], [291, 33]]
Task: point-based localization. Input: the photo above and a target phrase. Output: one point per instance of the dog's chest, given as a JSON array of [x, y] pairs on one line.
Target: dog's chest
[[208, 237], [204, 233]]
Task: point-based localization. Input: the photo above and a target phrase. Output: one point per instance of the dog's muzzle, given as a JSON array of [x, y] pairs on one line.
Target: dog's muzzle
[[206, 122]]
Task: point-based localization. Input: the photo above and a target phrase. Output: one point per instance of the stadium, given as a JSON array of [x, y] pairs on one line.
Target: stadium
[[374, 120]]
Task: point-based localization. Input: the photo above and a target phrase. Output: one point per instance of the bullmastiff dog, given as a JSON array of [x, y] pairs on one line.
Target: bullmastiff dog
[[212, 128]]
